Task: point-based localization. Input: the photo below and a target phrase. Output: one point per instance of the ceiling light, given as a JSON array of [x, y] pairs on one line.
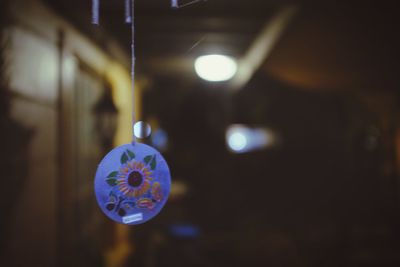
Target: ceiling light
[[241, 138], [237, 141], [215, 68]]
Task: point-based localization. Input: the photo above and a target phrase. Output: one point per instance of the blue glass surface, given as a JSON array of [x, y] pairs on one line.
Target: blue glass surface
[[132, 183]]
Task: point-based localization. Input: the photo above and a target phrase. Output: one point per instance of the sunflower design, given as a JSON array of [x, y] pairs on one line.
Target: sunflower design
[[132, 183], [134, 179]]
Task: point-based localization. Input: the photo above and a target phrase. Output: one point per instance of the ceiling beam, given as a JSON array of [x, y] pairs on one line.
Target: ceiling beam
[[262, 46]]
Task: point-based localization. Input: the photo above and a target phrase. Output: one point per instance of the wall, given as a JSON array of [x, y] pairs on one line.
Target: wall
[[44, 66]]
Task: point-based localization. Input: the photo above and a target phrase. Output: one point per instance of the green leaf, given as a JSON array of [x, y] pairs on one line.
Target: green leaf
[[148, 158], [130, 154], [124, 158], [153, 163], [112, 174], [112, 182], [151, 159]]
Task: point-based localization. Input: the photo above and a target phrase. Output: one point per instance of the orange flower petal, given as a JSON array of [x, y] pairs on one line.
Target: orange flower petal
[[141, 166], [130, 164], [146, 186], [124, 190]]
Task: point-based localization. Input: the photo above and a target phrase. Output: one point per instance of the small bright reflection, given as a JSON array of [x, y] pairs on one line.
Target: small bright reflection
[[215, 68], [141, 129], [237, 141], [241, 138]]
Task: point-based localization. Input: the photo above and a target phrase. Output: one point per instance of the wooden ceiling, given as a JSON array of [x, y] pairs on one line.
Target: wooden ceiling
[[328, 46], [340, 47]]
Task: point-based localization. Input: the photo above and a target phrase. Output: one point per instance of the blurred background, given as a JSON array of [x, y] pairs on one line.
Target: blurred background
[[283, 143]]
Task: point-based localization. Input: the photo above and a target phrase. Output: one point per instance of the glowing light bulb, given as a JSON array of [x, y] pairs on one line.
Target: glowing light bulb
[[237, 141], [242, 139], [215, 68]]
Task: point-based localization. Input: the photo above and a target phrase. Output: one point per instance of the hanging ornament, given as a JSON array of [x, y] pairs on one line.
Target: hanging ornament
[[133, 181]]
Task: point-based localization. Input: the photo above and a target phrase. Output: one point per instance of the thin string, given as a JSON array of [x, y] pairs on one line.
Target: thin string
[[132, 16], [96, 12], [128, 16]]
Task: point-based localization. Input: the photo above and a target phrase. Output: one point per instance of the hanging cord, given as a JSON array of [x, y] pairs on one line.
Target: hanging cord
[[96, 12], [128, 16], [132, 18]]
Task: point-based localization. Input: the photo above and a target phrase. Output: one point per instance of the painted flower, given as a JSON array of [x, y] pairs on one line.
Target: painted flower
[[134, 179], [156, 191]]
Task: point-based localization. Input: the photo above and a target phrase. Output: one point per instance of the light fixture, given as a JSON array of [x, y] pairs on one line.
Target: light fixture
[[241, 138], [237, 141], [215, 68]]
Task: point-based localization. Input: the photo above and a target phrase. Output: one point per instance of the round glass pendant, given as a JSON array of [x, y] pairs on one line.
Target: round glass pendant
[[132, 183]]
